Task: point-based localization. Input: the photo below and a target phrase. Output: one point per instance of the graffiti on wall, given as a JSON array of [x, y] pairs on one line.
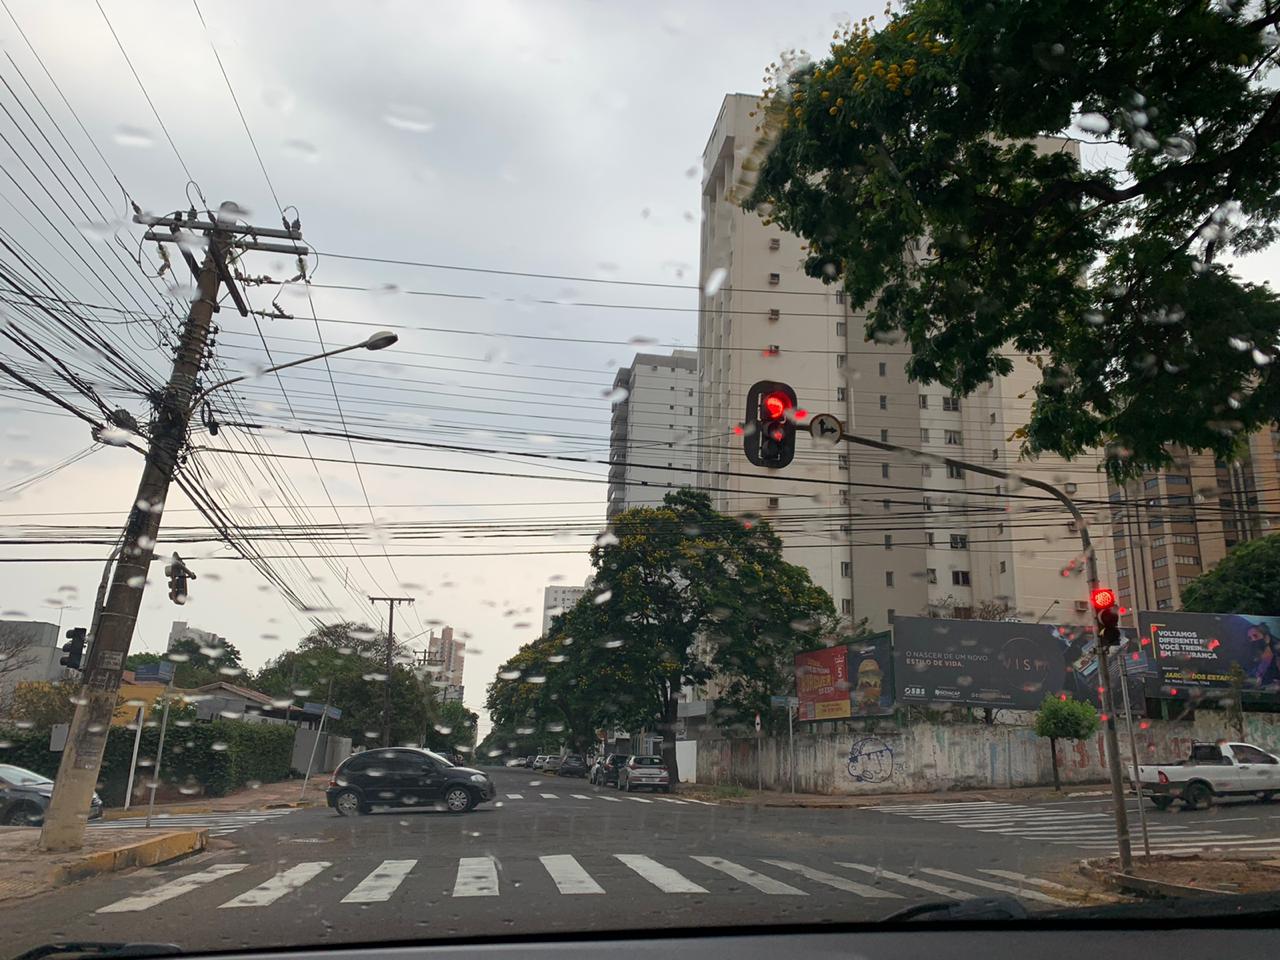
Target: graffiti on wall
[[870, 760]]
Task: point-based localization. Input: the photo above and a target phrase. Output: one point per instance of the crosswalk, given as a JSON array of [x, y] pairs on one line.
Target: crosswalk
[[218, 824], [235, 886], [1093, 831], [620, 798]]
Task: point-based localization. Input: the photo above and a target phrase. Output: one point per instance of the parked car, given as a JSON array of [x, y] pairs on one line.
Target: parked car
[[539, 761], [528, 762], [573, 765], [640, 772], [405, 777], [605, 772], [24, 797], [1212, 770], [552, 764]]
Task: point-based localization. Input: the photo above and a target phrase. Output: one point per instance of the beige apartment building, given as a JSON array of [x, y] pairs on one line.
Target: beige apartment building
[[1170, 526], [885, 534]]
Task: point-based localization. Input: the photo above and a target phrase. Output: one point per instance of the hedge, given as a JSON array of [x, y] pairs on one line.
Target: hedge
[[209, 759]]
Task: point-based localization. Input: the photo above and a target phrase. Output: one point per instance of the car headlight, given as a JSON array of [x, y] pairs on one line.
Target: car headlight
[[479, 778]]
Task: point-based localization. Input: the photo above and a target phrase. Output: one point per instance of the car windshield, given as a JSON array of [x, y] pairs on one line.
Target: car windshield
[[845, 438]]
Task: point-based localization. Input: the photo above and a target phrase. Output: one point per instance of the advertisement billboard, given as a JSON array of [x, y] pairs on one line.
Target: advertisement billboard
[[1196, 652], [822, 684], [991, 663], [871, 676], [160, 672]]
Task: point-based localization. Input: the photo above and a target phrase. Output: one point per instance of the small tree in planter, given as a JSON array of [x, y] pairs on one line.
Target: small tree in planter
[[1061, 718]]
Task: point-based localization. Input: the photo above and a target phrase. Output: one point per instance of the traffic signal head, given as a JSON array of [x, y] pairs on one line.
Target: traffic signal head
[[769, 434], [1102, 598], [1106, 615], [73, 649], [178, 575]]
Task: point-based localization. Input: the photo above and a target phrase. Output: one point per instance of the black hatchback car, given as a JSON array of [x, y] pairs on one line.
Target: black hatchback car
[[405, 777]]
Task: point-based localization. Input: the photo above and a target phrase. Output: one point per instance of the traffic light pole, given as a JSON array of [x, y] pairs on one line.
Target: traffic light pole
[[1091, 572], [65, 819]]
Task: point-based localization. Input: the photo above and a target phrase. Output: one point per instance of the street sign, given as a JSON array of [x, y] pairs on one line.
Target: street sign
[[757, 723], [779, 703], [826, 429]]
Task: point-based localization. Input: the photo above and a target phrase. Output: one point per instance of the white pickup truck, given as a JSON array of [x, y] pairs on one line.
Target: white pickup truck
[[1213, 770]]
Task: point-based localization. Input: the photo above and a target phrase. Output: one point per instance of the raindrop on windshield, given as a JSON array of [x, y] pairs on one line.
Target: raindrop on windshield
[[715, 281], [128, 136], [409, 118]]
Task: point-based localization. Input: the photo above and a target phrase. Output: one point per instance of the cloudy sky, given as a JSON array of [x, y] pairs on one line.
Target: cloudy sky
[[543, 138]]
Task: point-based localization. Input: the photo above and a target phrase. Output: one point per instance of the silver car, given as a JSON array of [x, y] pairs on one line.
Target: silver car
[[640, 772], [539, 761], [24, 797]]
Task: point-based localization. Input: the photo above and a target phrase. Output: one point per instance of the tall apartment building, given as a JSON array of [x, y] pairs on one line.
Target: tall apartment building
[[446, 658], [1170, 526], [885, 534], [557, 598], [181, 630], [651, 434]]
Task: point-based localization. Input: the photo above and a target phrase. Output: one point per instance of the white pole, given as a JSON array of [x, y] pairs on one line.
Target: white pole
[[316, 742], [155, 779], [1133, 753], [133, 764], [791, 742]]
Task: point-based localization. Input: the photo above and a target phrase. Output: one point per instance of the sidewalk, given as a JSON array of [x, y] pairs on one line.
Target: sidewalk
[[26, 870], [743, 797], [268, 796]]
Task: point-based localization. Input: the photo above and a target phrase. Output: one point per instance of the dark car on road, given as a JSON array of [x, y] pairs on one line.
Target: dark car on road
[[24, 797], [605, 772], [405, 777], [574, 765]]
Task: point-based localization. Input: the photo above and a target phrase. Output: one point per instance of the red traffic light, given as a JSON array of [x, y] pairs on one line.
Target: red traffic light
[[1102, 598], [776, 405]]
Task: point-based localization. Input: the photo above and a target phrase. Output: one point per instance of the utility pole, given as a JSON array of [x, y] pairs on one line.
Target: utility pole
[[386, 683], [65, 819]]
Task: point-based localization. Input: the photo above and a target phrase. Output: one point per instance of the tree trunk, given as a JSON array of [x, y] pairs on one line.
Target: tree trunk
[[668, 730], [1053, 752]]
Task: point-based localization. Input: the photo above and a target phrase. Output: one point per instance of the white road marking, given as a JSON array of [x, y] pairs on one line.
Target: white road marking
[[267, 893], [670, 800], [381, 883], [611, 799], [515, 796], [938, 888], [548, 796], [662, 877], [639, 799], [569, 875], [579, 796], [748, 876], [1046, 884], [174, 888], [1002, 887], [477, 877], [831, 880]]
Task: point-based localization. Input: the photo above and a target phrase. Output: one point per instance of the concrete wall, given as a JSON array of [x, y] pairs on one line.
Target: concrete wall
[[687, 758], [927, 758], [331, 751]]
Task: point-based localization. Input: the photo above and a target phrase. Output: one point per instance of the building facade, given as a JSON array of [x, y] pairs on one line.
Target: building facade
[[446, 658], [559, 598], [652, 430], [29, 653], [884, 533], [181, 630]]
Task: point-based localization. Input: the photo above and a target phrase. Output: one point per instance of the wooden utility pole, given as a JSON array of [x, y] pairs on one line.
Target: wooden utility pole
[[65, 819], [386, 683]]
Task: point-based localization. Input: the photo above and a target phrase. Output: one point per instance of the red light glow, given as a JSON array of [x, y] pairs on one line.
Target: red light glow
[[776, 405], [1102, 598]]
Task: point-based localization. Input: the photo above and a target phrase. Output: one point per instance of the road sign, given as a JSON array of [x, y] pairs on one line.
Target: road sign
[[826, 428], [757, 723], [779, 703]]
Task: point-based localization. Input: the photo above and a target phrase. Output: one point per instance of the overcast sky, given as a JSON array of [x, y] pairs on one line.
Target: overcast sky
[[560, 138]]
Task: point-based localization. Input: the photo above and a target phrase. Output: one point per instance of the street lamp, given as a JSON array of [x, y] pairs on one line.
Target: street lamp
[[377, 341]]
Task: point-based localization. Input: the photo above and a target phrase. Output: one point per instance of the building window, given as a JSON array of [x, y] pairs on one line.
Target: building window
[[775, 279], [924, 434], [842, 328], [773, 502], [1151, 484], [927, 503], [926, 470], [931, 575], [884, 402], [774, 315], [1121, 553], [846, 605], [884, 435], [1183, 538], [842, 461], [960, 578], [884, 369], [959, 541], [884, 471], [1160, 562], [888, 541], [951, 404], [844, 494], [1122, 573], [890, 615], [773, 350], [924, 402], [1188, 560], [840, 358], [1159, 541], [1004, 567], [1176, 479], [1165, 604], [953, 437], [995, 453], [1183, 581], [955, 471], [775, 243], [840, 393], [839, 296], [885, 504], [846, 568], [993, 416], [1162, 583], [888, 578], [929, 538]]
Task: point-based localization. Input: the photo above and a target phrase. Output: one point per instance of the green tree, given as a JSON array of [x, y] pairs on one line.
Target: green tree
[[1246, 580], [40, 704], [906, 157], [195, 663], [453, 727], [1062, 718]]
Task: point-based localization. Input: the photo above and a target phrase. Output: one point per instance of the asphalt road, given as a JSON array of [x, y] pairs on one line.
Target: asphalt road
[[559, 855]]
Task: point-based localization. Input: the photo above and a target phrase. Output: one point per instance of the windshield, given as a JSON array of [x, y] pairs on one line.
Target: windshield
[[844, 439]]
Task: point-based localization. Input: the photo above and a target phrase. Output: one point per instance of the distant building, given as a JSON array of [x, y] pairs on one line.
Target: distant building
[[558, 598], [181, 630], [446, 658], [30, 650]]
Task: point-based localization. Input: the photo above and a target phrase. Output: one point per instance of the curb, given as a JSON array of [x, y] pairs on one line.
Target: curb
[[161, 849], [119, 813], [291, 805], [1142, 886]]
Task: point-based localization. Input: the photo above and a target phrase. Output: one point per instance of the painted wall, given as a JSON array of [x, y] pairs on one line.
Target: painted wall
[[927, 758]]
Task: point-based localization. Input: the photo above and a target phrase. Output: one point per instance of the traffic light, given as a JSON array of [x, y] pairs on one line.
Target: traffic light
[[769, 431], [73, 649], [178, 575], [1106, 616]]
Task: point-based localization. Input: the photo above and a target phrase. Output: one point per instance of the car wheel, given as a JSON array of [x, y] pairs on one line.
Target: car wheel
[[459, 800], [348, 803], [1197, 796], [24, 815], [1162, 803]]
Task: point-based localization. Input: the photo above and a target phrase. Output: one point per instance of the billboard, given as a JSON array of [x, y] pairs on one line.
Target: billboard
[[1196, 651], [991, 663], [159, 672], [870, 661], [822, 683]]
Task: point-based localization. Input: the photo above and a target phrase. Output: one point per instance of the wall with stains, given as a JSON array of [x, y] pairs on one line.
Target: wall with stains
[[927, 758]]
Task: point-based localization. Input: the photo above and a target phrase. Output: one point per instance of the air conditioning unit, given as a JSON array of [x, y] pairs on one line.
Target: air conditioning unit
[[1082, 606], [775, 243]]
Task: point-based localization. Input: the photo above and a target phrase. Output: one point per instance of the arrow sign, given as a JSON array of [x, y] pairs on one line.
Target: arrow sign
[[826, 429]]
